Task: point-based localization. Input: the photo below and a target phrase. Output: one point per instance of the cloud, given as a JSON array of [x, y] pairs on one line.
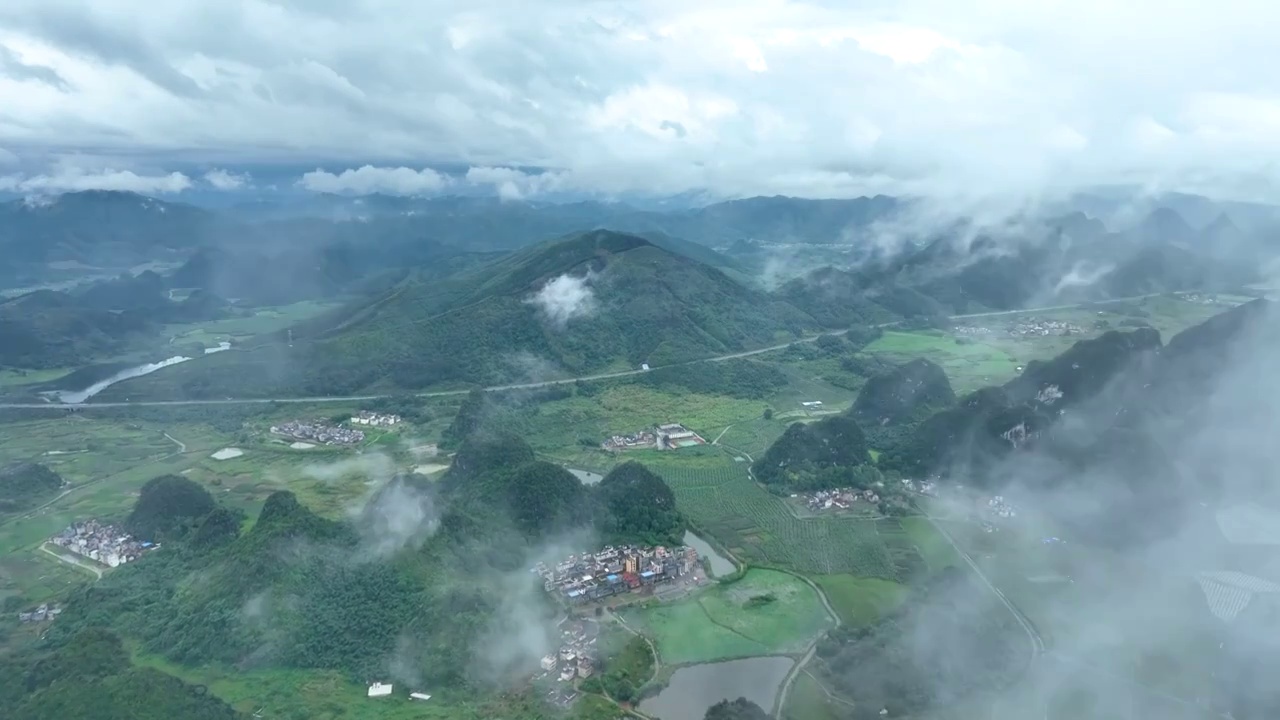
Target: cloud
[[72, 180], [806, 98], [226, 180], [565, 298], [369, 179]]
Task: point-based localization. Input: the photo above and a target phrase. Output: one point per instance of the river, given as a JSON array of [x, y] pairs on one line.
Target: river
[[75, 397], [695, 688], [720, 565]]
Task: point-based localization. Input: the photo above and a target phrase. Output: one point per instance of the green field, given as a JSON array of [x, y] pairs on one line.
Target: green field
[[807, 701], [758, 527], [255, 322], [969, 366], [860, 601], [765, 613]]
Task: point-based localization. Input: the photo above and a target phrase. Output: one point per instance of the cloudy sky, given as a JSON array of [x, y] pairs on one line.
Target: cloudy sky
[[736, 97]]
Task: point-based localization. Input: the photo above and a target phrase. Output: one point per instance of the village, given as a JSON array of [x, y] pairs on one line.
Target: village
[[671, 436], [373, 419], [100, 542], [45, 611], [1027, 327], [847, 498], [613, 571], [317, 431], [576, 657]]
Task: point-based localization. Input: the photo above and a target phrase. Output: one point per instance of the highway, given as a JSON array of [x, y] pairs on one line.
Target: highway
[[516, 386]]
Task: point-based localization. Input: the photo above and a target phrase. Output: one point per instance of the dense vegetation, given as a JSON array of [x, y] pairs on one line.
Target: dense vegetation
[[89, 677], [625, 672], [740, 709], [22, 485], [426, 583], [949, 639], [168, 507], [814, 455], [907, 393]]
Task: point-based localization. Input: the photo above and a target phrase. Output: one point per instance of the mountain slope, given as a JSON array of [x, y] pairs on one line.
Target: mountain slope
[[587, 303]]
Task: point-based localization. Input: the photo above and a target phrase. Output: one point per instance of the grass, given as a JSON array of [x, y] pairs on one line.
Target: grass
[[969, 366], [860, 601], [765, 613], [259, 321], [36, 577], [807, 701], [318, 695], [720, 498], [31, 377], [932, 546]]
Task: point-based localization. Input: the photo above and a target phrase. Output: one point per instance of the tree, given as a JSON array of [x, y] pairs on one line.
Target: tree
[[640, 506], [168, 506], [740, 709], [768, 413]]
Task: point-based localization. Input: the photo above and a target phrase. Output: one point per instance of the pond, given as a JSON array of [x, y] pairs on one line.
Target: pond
[[720, 565], [695, 688], [586, 476], [75, 397]]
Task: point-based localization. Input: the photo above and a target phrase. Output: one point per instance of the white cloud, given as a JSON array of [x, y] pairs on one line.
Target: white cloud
[[565, 298], [369, 179], [925, 96], [226, 180], [72, 180]]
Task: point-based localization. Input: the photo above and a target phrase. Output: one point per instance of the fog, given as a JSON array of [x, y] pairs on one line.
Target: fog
[[564, 298]]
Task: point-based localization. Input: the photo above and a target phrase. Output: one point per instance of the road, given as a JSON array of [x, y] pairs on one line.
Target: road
[[514, 386], [796, 669], [1033, 635], [71, 561]]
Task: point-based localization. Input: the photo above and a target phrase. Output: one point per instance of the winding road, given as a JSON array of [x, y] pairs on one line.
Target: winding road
[[71, 561], [519, 386]]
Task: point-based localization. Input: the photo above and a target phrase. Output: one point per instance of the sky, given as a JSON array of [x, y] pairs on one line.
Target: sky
[[731, 98]]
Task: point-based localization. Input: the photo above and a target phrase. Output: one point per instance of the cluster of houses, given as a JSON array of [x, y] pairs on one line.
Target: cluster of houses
[[1000, 507], [379, 689], [614, 571], [576, 657], [318, 432], [670, 436], [643, 440], [373, 419], [40, 614], [924, 487], [838, 499], [101, 542], [1035, 327]]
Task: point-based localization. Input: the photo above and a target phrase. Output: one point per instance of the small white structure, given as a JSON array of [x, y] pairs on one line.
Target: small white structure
[[644, 366], [812, 404], [419, 696], [379, 690]]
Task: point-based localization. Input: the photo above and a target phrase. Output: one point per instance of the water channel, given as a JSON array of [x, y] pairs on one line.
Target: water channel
[[75, 397]]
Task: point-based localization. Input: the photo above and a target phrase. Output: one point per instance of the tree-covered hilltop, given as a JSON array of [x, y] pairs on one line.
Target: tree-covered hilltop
[[907, 393], [168, 506], [23, 485], [814, 455]]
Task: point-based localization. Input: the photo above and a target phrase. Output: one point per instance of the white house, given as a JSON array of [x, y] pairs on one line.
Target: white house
[[379, 690]]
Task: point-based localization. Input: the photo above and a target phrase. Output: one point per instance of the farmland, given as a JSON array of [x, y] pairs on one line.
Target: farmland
[[765, 613], [758, 527]]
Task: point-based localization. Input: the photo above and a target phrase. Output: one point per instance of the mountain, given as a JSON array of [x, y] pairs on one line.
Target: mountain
[[586, 303], [99, 228], [903, 394], [814, 455], [50, 329], [25, 484]]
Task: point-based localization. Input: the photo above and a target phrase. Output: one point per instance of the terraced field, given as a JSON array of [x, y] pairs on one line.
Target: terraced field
[[759, 528]]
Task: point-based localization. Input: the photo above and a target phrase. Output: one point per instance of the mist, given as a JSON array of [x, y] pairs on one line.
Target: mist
[[564, 298]]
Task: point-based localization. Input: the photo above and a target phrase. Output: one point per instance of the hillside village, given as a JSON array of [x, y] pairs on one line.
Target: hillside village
[[318, 432]]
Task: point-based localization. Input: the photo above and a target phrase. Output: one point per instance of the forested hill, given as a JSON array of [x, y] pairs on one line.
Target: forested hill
[[427, 584], [592, 302]]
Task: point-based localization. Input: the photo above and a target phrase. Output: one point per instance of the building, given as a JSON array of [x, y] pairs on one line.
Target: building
[[419, 696], [549, 663], [379, 690]]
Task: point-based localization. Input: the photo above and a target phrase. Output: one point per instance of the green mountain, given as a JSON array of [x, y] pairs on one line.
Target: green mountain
[[907, 393], [23, 485], [591, 302]]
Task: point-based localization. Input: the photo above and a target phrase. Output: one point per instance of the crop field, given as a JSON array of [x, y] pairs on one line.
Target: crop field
[[969, 366], [861, 601], [765, 613], [807, 701], [757, 526]]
